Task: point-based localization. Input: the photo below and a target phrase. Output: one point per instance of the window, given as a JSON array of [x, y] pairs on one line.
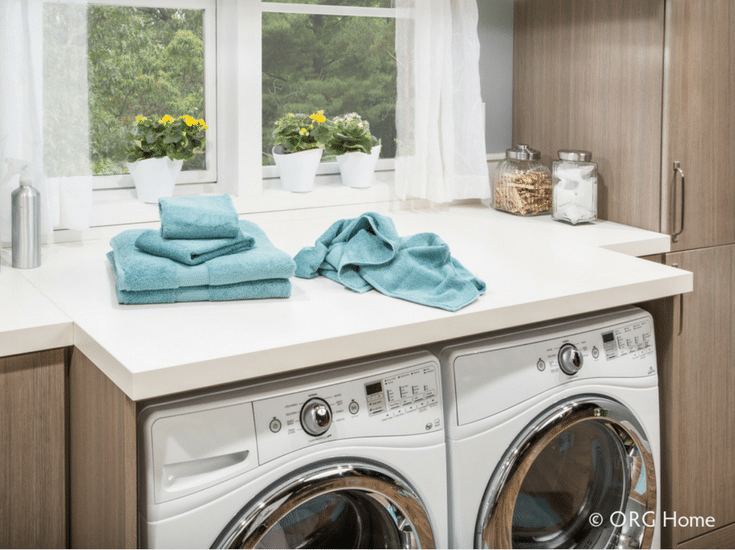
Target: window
[[142, 58], [339, 59]]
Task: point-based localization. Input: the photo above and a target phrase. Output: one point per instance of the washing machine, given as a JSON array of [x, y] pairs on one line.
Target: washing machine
[[350, 457], [553, 435]]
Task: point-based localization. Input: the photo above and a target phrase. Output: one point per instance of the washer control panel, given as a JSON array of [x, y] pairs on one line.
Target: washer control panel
[[402, 393], [402, 402]]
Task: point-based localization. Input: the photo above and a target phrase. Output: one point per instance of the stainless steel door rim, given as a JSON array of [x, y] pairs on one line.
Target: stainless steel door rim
[[613, 421], [400, 509]]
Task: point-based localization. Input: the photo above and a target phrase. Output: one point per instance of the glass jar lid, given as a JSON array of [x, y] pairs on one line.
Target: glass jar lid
[[574, 155], [522, 152]]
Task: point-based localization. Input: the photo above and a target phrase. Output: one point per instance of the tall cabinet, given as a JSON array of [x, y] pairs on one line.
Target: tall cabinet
[[649, 87]]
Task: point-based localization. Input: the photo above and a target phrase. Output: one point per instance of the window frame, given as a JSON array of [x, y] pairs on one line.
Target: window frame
[[209, 33]]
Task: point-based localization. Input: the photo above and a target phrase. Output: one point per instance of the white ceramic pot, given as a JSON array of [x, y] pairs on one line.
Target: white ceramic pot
[[298, 170], [358, 169], [154, 178]]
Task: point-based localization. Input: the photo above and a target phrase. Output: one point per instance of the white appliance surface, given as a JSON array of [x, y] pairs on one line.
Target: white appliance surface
[[205, 457], [494, 387]]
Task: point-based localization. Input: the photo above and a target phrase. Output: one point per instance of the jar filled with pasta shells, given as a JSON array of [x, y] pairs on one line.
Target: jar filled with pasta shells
[[522, 184]]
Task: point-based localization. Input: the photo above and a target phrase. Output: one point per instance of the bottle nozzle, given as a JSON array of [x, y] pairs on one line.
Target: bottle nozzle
[[15, 166]]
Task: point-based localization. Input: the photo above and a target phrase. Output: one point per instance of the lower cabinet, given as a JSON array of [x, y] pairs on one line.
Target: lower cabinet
[[697, 378], [103, 451], [33, 450]]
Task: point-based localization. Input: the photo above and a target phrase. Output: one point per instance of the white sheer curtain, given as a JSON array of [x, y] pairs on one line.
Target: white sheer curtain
[[44, 109], [439, 116]]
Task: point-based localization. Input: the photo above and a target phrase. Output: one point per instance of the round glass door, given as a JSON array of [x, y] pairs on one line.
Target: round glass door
[[345, 505], [581, 475]]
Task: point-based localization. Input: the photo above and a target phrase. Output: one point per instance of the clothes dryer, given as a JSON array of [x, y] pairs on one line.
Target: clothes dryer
[[350, 457], [553, 435]]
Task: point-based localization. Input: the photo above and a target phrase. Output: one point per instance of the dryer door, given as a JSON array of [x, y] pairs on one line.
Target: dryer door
[[581, 475], [350, 504]]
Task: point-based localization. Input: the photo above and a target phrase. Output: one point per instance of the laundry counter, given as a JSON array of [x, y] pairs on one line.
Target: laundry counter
[[535, 270]]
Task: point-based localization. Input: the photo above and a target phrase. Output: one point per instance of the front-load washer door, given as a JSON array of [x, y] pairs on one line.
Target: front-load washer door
[[580, 475], [345, 504]]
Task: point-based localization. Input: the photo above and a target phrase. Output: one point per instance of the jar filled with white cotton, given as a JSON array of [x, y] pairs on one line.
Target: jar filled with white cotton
[[575, 187]]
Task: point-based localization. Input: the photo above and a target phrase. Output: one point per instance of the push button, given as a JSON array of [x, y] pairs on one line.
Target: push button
[[275, 425], [353, 407]]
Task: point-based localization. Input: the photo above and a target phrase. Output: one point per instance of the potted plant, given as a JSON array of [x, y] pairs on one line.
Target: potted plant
[[356, 148], [300, 141], [158, 150]]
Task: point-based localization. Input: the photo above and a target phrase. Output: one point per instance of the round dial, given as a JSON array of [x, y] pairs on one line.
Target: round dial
[[570, 359], [316, 416]]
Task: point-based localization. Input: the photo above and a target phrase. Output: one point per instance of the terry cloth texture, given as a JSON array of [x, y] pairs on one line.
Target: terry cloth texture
[[264, 266], [366, 252], [192, 251], [208, 217]]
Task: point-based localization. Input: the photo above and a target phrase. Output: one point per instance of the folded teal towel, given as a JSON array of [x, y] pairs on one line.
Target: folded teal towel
[[192, 251], [136, 270], [366, 252], [248, 290], [212, 217]]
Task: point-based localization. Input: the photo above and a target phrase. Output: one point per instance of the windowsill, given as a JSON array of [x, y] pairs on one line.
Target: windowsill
[[116, 207], [113, 208]]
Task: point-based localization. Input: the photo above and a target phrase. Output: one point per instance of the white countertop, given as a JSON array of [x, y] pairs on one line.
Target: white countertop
[[29, 321], [535, 270]]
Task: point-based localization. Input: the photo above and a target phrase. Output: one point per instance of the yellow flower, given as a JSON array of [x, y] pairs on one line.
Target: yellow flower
[[318, 116], [201, 122], [303, 131], [141, 118], [190, 120], [167, 118]]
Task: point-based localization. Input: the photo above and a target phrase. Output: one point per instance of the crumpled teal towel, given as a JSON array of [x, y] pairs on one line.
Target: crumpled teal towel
[[367, 252], [206, 217], [136, 270], [192, 251]]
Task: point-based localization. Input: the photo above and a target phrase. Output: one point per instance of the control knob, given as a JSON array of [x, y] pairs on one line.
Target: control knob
[[316, 416], [570, 359]]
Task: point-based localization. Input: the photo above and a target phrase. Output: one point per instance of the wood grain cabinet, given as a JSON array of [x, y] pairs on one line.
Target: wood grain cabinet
[[697, 382], [647, 86], [33, 450], [699, 123]]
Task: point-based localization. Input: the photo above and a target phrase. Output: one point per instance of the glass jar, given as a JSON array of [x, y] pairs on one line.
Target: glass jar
[[575, 187], [522, 185]]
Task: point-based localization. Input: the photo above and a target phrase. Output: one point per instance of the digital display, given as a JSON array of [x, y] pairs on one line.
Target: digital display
[[375, 387], [608, 337]]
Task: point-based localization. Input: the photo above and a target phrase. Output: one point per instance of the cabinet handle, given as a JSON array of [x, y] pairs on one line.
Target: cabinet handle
[[675, 235]]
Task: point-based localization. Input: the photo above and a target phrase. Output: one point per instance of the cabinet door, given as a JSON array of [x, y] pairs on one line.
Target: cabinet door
[[33, 501], [699, 122], [698, 400], [589, 75]]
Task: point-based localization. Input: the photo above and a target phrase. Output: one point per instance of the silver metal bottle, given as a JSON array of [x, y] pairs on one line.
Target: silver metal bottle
[[26, 226]]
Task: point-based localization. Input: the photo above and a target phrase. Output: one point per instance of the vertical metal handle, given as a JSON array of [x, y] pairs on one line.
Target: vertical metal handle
[[675, 234]]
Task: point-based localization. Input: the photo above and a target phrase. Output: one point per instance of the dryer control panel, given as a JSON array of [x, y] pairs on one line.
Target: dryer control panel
[[403, 402], [528, 364]]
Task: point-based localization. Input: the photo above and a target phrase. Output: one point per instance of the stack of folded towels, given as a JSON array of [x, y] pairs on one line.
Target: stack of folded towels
[[202, 252]]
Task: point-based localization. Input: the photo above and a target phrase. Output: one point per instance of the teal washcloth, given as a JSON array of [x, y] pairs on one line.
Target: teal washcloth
[[212, 217], [192, 251], [136, 270], [366, 252]]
